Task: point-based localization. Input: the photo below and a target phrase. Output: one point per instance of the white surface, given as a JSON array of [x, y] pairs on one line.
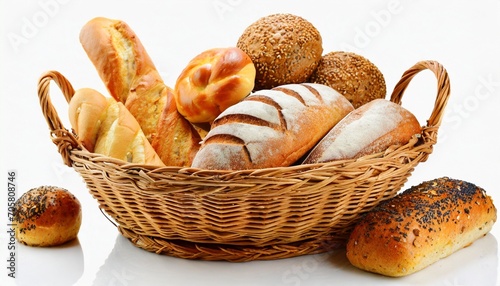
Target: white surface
[[462, 35]]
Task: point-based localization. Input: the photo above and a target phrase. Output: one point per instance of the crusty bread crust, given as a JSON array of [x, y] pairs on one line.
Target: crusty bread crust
[[420, 226]]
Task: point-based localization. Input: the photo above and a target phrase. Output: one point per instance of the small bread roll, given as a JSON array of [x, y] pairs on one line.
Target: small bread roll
[[47, 216], [213, 81], [284, 48], [420, 226], [354, 76]]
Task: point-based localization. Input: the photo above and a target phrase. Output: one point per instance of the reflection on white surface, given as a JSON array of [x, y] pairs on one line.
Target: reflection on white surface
[[50, 266], [130, 265]]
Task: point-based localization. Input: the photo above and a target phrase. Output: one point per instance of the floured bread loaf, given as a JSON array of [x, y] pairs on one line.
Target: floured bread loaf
[[369, 129], [271, 128]]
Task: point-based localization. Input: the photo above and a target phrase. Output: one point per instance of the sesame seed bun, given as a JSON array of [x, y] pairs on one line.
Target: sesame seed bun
[[47, 216], [284, 49], [352, 75]]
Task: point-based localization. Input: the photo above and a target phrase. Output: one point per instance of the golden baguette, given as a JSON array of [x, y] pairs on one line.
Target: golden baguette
[[126, 69], [131, 78]]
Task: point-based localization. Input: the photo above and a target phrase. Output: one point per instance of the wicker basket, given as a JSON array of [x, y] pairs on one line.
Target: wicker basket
[[244, 215]]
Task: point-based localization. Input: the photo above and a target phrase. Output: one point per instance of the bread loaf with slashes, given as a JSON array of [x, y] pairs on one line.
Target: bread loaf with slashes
[[271, 128]]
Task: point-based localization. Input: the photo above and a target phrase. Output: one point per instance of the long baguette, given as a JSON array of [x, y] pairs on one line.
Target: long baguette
[[126, 69], [132, 79]]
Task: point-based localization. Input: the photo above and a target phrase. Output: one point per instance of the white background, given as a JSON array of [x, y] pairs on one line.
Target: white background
[[43, 35]]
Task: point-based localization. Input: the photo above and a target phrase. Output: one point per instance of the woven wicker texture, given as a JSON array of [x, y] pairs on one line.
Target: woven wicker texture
[[244, 215]]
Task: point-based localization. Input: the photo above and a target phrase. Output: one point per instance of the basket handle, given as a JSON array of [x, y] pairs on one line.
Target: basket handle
[[443, 88], [64, 139]]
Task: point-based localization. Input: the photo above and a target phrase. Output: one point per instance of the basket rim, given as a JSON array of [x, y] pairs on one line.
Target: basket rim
[[416, 141], [67, 140]]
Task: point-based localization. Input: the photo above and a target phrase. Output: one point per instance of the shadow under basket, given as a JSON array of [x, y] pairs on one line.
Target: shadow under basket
[[244, 215]]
